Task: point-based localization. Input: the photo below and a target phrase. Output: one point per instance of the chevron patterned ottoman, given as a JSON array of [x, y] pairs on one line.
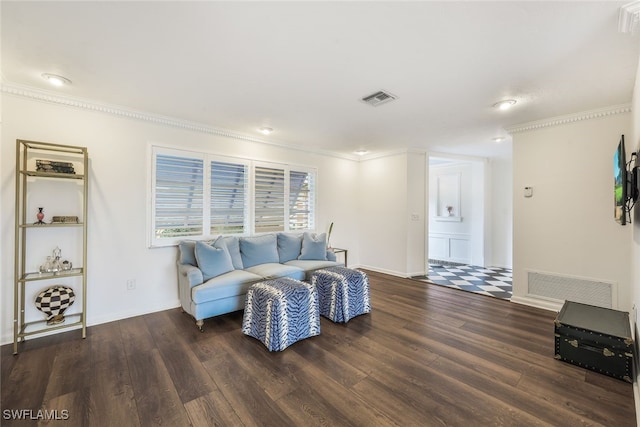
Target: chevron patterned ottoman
[[343, 293], [281, 312]]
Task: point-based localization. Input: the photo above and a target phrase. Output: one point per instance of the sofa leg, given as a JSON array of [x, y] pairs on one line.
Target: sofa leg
[[200, 324]]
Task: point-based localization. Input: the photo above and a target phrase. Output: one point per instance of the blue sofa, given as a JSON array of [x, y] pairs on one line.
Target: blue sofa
[[213, 277]]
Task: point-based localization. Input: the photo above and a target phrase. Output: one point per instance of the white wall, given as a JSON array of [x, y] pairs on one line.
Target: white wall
[[501, 208], [383, 214], [633, 144], [118, 194], [416, 213], [567, 227], [392, 203]]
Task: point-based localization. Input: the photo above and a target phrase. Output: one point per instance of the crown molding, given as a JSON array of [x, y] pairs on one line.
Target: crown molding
[[124, 112], [629, 18], [457, 157], [570, 118], [390, 153]]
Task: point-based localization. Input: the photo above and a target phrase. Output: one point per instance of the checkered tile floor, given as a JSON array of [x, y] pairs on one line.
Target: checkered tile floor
[[491, 281]]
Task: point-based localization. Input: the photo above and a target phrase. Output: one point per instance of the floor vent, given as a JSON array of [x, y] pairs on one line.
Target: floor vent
[[575, 289], [379, 98]]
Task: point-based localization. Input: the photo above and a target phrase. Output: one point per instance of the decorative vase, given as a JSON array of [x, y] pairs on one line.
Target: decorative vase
[[40, 216], [54, 301]]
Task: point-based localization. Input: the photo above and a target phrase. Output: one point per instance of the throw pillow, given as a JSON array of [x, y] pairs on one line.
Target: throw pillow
[[187, 252], [213, 260], [259, 250], [233, 245], [289, 246], [314, 246]]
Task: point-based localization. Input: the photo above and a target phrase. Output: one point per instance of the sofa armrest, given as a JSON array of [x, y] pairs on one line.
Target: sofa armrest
[[189, 276]]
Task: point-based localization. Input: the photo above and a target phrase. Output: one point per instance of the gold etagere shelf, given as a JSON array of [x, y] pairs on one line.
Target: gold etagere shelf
[[26, 153]]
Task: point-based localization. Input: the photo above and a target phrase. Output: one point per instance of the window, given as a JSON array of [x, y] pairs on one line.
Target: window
[[229, 198], [301, 200], [269, 197], [196, 196], [178, 201]]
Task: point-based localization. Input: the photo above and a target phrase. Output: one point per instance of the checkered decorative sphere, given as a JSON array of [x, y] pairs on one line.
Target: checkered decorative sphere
[[54, 301]]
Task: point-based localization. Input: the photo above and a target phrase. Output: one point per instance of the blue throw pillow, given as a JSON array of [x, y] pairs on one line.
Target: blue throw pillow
[[289, 246], [314, 246], [187, 252], [259, 250], [213, 260], [233, 245]]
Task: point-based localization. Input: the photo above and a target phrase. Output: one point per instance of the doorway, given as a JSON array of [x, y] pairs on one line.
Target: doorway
[[459, 231], [456, 211]]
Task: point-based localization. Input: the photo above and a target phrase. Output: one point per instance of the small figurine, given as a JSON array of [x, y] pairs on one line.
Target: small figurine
[[40, 216]]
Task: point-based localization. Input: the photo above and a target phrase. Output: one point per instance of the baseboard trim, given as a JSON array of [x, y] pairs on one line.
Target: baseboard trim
[[383, 270], [537, 302]]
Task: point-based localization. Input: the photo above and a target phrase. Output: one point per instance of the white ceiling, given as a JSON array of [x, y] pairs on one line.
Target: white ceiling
[[302, 67]]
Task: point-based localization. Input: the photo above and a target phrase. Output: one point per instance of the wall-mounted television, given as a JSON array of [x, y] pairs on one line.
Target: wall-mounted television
[[625, 184], [620, 183]]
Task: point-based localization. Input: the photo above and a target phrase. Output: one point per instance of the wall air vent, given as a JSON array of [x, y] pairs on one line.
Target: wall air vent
[[560, 288], [379, 98]]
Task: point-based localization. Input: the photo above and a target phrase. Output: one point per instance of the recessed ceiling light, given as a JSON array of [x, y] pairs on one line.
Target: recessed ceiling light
[[56, 80], [499, 139], [505, 105], [361, 152], [265, 130]]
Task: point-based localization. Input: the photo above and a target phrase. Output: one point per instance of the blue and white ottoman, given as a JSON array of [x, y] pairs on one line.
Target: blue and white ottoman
[[343, 292], [281, 312]]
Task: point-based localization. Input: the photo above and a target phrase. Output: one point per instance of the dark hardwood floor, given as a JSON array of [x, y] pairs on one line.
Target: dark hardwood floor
[[425, 356]]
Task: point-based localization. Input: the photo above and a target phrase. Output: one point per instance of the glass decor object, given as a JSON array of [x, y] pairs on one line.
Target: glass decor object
[[54, 264], [54, 301]]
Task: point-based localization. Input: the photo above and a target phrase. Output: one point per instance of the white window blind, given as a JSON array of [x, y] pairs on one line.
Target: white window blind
[[178, 201], [229, 197], [301, 200], [269, 199]]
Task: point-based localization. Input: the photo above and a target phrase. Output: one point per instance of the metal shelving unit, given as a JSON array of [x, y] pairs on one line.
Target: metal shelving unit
[[27, 176]]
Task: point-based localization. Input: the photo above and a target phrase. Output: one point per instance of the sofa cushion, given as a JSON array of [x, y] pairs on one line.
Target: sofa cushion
[[275, 270], [187, 249], [310, 265], [289, 246], [314, 246], [259, 250], [232, 284], [233, 245], [213, 260]]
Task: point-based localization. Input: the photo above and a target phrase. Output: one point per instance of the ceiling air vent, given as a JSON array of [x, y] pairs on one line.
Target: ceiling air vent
[[379, 98]]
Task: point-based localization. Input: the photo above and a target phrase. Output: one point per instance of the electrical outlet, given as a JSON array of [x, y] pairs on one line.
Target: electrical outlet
[[131, 284]]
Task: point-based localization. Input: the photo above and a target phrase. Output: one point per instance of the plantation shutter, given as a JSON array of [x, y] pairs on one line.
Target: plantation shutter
[[301, 200], [229, 197], [269, 194], [178, 192]]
